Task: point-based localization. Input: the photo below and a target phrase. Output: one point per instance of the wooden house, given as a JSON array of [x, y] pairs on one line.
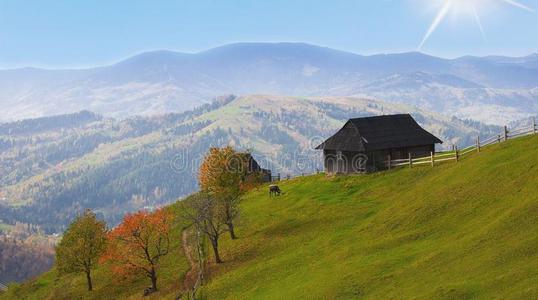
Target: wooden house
[[366, 144], [254, 167]]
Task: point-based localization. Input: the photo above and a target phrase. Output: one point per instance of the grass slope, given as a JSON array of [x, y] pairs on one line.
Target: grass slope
[[459, 230]]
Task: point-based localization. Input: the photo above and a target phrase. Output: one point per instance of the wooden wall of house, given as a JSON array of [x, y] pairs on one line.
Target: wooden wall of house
[[403, 153], [343, 162], [346, 162]]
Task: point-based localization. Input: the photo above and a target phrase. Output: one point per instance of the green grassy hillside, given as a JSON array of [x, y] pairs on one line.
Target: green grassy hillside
[[456, 231], [460, 230]]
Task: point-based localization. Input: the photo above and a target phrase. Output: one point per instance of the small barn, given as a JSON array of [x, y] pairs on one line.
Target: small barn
[[254, 167], [366, 144]]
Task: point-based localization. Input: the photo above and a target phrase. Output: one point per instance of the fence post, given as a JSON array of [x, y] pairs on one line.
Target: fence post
[[498, 138], [278, 176], [431, 156], [505, 134], [389, 162], [478, 144], [456, 153], [410, 160], [533, 125]]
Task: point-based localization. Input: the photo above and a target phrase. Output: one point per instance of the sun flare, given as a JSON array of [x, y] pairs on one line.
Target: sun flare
[[465, 7]]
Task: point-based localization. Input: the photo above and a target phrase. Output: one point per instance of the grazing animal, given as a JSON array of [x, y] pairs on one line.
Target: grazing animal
[[274, 190], [148, 291]]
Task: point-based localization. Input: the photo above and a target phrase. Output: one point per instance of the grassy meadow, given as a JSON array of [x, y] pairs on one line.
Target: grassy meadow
[[456, 231]]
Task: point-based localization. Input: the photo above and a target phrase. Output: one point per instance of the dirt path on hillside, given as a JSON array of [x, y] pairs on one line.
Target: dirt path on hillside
[[192, 274]]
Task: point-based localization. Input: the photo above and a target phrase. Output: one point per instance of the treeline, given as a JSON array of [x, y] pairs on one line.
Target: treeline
[[32, 126], [126, 183]]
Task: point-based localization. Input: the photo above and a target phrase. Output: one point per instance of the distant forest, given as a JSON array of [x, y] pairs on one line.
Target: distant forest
[[24, 253], [131, 179]]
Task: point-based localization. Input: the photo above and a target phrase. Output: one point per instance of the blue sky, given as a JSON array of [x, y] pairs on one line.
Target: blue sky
[[63, 34]]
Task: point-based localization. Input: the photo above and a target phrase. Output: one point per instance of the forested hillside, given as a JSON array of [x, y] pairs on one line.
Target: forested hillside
[[52, 168], [25, 252]]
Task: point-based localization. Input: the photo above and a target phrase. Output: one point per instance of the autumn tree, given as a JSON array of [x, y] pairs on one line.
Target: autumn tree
[[225, 176], [138, 243], [81, 246], [203, 211]]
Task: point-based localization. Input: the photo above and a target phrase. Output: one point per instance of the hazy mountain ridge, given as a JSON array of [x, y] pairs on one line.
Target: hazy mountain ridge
[[165, 81]]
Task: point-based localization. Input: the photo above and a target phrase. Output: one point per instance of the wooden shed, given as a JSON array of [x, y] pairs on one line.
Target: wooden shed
[[366, 144], [254, 167]]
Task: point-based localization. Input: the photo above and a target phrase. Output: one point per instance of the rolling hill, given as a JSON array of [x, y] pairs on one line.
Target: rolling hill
[[490, 89], [458, 230], [55, 167]]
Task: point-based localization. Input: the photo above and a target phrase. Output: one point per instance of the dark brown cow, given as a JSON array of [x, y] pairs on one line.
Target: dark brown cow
[[274, 190]]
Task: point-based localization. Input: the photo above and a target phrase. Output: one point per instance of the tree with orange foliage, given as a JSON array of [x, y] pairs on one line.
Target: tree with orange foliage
[[137, 244], [225, 176]]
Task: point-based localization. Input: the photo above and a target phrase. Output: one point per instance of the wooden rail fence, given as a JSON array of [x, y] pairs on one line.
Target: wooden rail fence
[[456, 153], [444, 156], [289, 176]]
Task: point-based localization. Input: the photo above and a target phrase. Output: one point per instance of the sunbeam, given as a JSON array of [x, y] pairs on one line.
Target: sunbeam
[[479, 22], [440, 16], [517, 4], [468, 7]]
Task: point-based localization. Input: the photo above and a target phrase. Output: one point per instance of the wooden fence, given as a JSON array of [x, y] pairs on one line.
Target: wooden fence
[[277, 177], [3, 287], [439, 157], [456, 154]]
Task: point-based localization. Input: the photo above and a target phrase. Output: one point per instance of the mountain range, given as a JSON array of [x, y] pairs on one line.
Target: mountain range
[[492, 89]]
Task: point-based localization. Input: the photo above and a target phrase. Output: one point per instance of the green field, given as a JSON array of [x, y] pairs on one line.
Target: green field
[[455, 231], [5, 227]]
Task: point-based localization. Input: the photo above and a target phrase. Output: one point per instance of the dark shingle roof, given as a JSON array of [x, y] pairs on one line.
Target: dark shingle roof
[[377, 133]]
